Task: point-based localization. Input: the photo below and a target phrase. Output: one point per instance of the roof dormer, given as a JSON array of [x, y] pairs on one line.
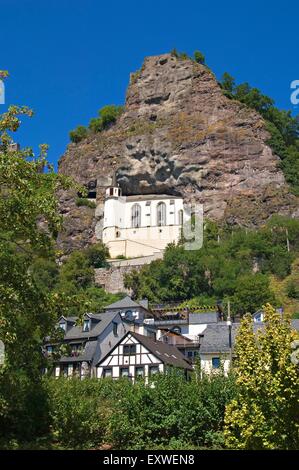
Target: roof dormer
[[65, 323]]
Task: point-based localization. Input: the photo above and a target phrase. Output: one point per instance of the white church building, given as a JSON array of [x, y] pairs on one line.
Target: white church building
[[141, 225]]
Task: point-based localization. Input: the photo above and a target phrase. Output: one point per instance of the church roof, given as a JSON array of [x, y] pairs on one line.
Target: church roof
[[147, 197]]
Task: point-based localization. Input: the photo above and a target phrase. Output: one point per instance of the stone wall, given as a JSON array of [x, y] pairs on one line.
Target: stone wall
[[112, 278]]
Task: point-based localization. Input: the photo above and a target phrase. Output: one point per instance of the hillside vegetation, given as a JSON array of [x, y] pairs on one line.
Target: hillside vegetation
[[249, 267]]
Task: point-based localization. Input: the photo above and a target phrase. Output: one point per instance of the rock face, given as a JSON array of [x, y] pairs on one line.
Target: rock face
[[179, 135]]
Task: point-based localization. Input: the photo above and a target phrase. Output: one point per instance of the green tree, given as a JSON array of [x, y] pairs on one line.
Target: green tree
[[264, 415], [96, 124], [110, 113], [252, 291], [29, 223], [228, 82], [78, 134], [199, 57], [97, 255]]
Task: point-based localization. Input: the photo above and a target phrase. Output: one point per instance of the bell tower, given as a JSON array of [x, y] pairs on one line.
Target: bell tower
[[114, 190]]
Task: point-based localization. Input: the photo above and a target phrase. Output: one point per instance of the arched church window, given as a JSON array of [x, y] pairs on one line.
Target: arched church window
[[181, 217], [136, 216], [161, 214]]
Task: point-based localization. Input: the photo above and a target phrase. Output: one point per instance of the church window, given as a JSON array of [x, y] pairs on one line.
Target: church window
[[161, 214], [136, 216]]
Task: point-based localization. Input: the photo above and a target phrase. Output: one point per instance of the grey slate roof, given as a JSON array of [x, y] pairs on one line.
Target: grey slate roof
[[146, 197], [168, 354], [87, 355], [126, 302], [75, 332], [199, 318], [216, 336]]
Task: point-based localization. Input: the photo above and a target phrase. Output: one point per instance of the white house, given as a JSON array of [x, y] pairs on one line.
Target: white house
[[141, 225], [86, 343], [136, 356], [190, 325]]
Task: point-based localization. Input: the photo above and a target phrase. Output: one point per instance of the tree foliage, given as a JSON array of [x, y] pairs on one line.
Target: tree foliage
[[199, 57], [283, 128], [29, 224], [168, 413], [264, 414], [223, 267], [106, 116], [78, 134]]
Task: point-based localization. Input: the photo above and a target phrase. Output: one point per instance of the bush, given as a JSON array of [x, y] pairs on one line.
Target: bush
[[78, 134], [293, 290], [107, 116], [97, 255], [96, 125], [83, 201], [199, 57], [170, 413], [173, 410], [78, 412], [110, 113]]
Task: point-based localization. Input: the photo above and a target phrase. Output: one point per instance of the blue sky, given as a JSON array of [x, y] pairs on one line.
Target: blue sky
[[68, 58]]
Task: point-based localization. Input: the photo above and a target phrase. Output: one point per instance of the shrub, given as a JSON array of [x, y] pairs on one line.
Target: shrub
[[97, 255], [83, 201], [199, 57], [96, 124], [107, 115], [293, 290], [78, 134], [174, 52], [78, 412], [172, 412], [110, 113]]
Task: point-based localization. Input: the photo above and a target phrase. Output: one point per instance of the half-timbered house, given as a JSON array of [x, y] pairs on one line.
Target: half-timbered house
[[136, 356]]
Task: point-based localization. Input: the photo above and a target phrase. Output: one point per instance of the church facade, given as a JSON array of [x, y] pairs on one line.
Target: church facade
[[141, 225]]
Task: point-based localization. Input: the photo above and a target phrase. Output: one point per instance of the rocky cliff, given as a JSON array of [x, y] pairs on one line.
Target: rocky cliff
[[179, 135]]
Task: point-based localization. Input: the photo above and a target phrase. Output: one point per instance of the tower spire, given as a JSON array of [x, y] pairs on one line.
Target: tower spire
[[114, 182]]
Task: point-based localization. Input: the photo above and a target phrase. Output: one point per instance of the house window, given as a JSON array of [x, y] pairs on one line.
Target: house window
[[190, 354], [111, 191], [49, 349], [153, 370], [176, 329], [115, 328], [64, 370], [161, 214], [86, 325], [180, 217], [129, 315], [215, 362], [107, 372], [139, 371], [62, 325], [129, 349], [124, 372], [136, 216]]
